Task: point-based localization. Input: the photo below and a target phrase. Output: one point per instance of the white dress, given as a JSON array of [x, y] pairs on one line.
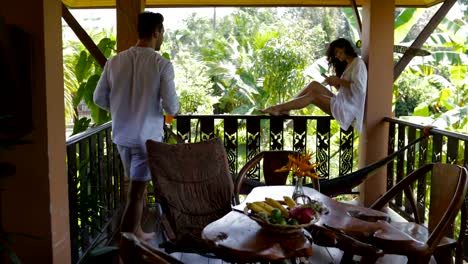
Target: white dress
[[347, 106]]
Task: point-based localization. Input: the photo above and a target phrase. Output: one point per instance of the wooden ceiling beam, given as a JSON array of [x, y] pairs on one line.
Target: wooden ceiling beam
[[357, 16], [422, 37], [242, 3], [83, 36]]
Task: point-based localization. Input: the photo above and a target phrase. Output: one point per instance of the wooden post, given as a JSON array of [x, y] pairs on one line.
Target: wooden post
[[377, 51], [40, 180], [127, 35], [127, 19]]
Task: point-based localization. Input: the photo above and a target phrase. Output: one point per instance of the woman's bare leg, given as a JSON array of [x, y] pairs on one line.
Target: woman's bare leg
[[315, 87], [313, 93]]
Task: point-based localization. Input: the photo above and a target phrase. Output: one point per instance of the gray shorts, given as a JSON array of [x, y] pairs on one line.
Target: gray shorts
[[135, 163]]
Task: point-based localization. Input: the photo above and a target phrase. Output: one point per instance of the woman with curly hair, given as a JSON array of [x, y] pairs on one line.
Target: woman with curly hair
[[350, 80]]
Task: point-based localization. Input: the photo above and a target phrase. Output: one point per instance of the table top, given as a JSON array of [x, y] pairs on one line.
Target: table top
[[236, 236]]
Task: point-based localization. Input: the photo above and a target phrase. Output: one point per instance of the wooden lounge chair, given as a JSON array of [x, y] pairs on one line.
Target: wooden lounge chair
[[448, 184]]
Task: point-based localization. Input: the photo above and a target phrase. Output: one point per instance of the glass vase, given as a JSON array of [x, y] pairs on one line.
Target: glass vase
[[298, 188]]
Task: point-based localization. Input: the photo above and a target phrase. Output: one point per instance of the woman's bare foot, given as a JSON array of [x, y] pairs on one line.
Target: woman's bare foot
[[272, 110], [145, 236]]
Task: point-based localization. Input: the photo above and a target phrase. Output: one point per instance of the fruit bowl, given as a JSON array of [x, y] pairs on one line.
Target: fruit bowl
[[284, 217], [280, 228]]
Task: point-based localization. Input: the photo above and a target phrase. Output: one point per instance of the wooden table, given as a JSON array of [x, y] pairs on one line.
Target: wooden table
[[349, 227]]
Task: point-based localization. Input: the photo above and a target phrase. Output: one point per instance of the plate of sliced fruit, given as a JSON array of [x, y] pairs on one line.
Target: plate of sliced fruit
[[284, 216]]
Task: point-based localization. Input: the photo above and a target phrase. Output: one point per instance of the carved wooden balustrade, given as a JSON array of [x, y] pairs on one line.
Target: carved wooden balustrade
[[95, 193], [246, 135]]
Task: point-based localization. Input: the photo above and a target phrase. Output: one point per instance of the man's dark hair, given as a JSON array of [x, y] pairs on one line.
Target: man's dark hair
[[148, 23]]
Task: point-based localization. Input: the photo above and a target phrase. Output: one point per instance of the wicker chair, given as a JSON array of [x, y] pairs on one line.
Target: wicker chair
[[193, 187]]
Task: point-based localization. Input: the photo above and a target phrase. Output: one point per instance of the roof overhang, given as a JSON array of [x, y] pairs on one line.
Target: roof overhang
[[201, 3]]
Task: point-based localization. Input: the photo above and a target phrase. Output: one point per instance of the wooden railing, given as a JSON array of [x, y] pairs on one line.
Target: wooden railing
[[443, 146], [95, 180], [96, 176]]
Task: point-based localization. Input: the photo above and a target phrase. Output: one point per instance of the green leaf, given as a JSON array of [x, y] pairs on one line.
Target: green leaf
[[99, 116], [445, 98], [81, 125], [405, 21], [81, 66], [79, 94], [458, 73], [451, 119], [89, 89], [421, 110], [102, 45], [167, 56], [450, 58]]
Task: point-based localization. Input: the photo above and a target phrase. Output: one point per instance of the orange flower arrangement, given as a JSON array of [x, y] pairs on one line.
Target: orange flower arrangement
[[300, 166]]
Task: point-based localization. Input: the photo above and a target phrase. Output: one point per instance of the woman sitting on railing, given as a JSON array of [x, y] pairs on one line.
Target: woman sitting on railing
[[347, 105]]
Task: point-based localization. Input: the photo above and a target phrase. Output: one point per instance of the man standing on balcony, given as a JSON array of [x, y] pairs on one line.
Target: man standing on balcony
[[136, 86]]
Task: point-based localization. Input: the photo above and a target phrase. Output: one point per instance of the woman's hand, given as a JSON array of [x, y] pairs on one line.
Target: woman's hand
[[334, 81]]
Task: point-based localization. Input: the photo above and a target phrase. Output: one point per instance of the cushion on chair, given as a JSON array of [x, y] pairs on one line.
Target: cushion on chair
[[193, 183]]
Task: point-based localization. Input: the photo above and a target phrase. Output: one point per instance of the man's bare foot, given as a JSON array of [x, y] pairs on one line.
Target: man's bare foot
[[145, 236]]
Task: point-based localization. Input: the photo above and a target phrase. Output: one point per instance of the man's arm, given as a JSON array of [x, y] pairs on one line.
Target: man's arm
[[170, 100], [102, 92]]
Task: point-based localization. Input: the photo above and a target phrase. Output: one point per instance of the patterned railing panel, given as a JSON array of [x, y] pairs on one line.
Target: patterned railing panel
[[346, 151], [300, 135], [95, 180], [252, 146], [323, 147], [246, 135], [231, 141]]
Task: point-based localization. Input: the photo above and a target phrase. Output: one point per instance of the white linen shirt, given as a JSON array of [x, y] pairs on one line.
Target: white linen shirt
[[348, 104], [136, 86]]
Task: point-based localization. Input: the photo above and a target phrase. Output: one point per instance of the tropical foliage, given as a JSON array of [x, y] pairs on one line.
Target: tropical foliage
[[81, 74], [250, 59], [257, 57], [435, 87]]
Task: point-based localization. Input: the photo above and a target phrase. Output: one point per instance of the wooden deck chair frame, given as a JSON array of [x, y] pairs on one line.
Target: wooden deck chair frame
[[449, 185]]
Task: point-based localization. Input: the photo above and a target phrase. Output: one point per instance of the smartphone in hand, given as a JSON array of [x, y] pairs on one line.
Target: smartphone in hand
[[324, 82]]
